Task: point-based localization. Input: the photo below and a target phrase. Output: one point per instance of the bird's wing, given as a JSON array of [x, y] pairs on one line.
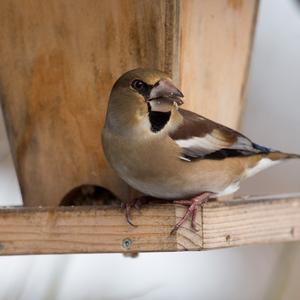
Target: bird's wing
[[199, 138]]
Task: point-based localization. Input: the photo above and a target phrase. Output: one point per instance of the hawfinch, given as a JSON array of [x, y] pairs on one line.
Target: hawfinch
[[168, 152]]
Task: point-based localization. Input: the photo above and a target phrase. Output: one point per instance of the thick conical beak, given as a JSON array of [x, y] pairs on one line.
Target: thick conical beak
[[164, 90]]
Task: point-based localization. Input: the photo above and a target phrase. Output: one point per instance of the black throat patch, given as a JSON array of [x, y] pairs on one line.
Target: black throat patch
[[158, 119]]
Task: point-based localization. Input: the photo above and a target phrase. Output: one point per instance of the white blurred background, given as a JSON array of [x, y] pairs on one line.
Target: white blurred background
[[248, 273]]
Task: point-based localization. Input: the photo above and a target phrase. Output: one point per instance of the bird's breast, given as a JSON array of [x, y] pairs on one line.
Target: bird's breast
[[154, 168]]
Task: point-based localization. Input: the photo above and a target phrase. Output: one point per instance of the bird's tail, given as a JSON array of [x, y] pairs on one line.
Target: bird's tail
[[277, 155]]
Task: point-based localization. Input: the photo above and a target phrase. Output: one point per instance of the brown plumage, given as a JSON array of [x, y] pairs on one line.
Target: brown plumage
[[170, 153]]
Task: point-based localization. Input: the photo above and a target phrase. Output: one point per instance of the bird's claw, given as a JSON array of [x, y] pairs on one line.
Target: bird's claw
[[193, 204], [137, 203], [128, 206]]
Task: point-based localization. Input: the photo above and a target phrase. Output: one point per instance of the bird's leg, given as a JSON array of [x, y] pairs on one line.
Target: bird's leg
[[193, 204], [136, 203]]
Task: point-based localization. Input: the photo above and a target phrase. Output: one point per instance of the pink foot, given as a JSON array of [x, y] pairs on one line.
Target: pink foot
[[193, 204]]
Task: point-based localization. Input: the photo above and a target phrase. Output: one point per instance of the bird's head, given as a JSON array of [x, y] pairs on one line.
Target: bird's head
[[147, 87], [140, 91]]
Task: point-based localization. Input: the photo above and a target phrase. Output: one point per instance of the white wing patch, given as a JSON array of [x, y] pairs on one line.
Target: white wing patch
[[261, 165], [206, 144], [209, 144]]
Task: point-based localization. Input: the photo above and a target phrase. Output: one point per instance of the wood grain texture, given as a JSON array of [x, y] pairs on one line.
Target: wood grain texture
[[104, 229], [238, 222], [59, 60], [215, 52]]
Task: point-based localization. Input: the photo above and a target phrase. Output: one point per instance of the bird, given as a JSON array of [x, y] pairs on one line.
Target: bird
[[170, 153]]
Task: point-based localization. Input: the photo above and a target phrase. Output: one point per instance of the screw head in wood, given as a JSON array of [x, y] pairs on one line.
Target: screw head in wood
[[126, 243]]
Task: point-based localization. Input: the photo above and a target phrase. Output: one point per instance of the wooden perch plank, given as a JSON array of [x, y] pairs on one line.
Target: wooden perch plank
[[84, 230], [104, 229], [236, 223]]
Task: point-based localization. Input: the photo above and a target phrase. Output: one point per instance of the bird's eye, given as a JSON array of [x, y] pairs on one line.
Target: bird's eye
[[138, 85]]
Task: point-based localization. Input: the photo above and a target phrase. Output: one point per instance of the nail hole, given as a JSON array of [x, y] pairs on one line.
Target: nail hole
[[292, 231], [228, 237]]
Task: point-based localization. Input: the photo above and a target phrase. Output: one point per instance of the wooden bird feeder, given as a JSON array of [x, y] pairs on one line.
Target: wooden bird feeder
[[58, 62]]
